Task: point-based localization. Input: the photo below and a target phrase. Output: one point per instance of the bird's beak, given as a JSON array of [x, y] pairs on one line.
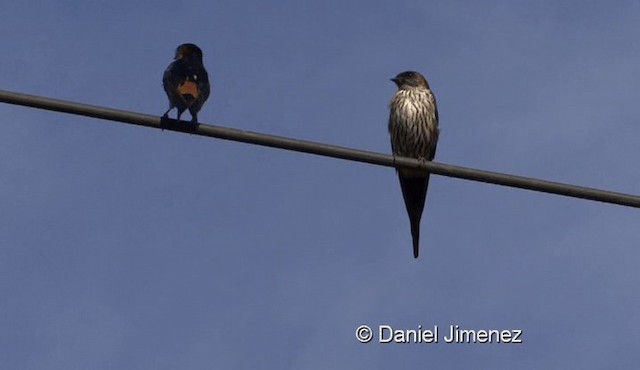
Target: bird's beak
[[394, 80]]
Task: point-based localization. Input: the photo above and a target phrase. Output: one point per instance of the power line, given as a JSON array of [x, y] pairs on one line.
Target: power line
[[320, 149]]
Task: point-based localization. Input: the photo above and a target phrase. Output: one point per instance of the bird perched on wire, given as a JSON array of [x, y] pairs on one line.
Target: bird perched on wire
[[186, 82], [413, 125]]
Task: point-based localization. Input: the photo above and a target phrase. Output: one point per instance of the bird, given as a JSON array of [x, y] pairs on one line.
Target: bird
[[186, 82], [414, 131]]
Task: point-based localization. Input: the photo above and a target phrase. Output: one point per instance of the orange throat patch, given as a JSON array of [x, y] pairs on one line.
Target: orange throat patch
[[188, 88]]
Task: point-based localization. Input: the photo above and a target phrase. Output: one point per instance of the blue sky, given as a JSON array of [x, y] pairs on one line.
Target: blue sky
[[127, 247]]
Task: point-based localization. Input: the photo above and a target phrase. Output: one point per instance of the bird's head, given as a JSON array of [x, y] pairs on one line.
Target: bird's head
[[188, 51], [410, 79]]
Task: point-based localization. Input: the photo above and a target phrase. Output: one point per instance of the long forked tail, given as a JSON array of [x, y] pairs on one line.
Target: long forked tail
[[414, 191]]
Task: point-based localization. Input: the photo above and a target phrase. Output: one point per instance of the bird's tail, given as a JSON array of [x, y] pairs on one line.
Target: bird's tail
[[414, 191], [415, 235]]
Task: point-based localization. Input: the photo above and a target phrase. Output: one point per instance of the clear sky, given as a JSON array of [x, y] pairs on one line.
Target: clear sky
[[123, 247]]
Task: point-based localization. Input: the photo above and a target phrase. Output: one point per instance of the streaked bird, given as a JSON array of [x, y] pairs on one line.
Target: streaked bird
[[186, 82], [413, 125]]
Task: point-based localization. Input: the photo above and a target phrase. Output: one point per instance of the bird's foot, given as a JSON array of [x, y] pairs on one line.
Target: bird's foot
[[423, 161], [163, 121], [194, 122]]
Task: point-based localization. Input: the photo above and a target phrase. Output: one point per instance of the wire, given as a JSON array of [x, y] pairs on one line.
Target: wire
[[320, 149]]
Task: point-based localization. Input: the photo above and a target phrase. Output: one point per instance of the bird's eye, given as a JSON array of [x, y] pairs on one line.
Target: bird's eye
[[411, 74]]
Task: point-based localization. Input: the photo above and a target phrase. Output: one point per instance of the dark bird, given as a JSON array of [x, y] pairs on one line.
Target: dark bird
[[186, 82], [413, 125]]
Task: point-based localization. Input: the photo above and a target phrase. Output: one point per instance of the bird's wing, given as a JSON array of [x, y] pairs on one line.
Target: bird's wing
[[203, 84], [172, 77]]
